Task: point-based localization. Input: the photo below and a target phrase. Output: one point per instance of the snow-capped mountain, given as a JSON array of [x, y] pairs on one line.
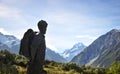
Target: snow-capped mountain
[[8, 42], [102, 52], [75, 50]]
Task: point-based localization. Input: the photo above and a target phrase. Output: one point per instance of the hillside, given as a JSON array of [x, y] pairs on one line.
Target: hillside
[[16, 64], [102, 52], [53, 56]]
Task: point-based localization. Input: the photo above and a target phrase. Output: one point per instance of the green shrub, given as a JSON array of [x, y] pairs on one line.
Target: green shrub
[[8, 69], [115, 68], [71, 66], [6, 57]]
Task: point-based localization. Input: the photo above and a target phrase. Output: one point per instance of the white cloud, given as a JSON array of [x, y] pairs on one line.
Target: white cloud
[[2, 30], [9, 12], [52, 47], [86, 37]]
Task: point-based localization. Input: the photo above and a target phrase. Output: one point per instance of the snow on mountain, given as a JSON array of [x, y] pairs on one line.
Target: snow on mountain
[[9, 40], [3, 46], [75, 50]]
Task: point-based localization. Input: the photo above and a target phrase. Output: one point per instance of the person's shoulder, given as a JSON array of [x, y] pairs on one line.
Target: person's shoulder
[[41, 35]]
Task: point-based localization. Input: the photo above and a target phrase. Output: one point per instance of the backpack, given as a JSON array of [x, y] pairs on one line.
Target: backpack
[[26, 42]]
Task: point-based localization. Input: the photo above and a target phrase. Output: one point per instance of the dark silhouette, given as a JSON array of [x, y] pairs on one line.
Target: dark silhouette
[[36, 48], [26, 43]]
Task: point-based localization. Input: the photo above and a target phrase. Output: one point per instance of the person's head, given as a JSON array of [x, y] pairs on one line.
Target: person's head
[[42, 26]]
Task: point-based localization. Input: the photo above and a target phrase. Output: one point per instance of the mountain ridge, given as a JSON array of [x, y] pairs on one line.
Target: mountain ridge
[[99, 48]]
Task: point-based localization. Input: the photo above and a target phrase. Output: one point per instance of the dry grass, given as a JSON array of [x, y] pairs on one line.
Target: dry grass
[[21, 70], [49, 69], [56, 70]]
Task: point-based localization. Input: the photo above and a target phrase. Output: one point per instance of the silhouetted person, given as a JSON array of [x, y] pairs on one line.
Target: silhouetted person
[[38, 48], [33, 47]]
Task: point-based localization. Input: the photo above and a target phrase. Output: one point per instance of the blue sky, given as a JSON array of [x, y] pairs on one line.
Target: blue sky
[[70, 21]]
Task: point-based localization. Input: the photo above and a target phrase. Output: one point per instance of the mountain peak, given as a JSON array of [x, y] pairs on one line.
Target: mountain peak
[[79, 44], [70, 53], [115, 30]]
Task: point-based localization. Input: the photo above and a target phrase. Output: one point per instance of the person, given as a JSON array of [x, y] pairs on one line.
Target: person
[[38, 48]]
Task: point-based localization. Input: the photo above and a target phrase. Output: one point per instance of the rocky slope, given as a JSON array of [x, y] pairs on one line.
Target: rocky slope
[[53, 56], [102, 52]]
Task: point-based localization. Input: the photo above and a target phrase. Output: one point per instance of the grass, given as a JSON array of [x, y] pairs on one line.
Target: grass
[[21, 70], [57, 70], [49, 69]]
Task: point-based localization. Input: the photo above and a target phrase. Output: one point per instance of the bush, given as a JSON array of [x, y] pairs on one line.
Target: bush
[[71, 66], [115, 68], [10, 61], [51, 63], [8, 69], [6, 57]]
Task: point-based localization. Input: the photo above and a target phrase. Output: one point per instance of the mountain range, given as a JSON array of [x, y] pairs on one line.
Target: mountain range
[[12, 44], [102, 52], [9, 42]]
